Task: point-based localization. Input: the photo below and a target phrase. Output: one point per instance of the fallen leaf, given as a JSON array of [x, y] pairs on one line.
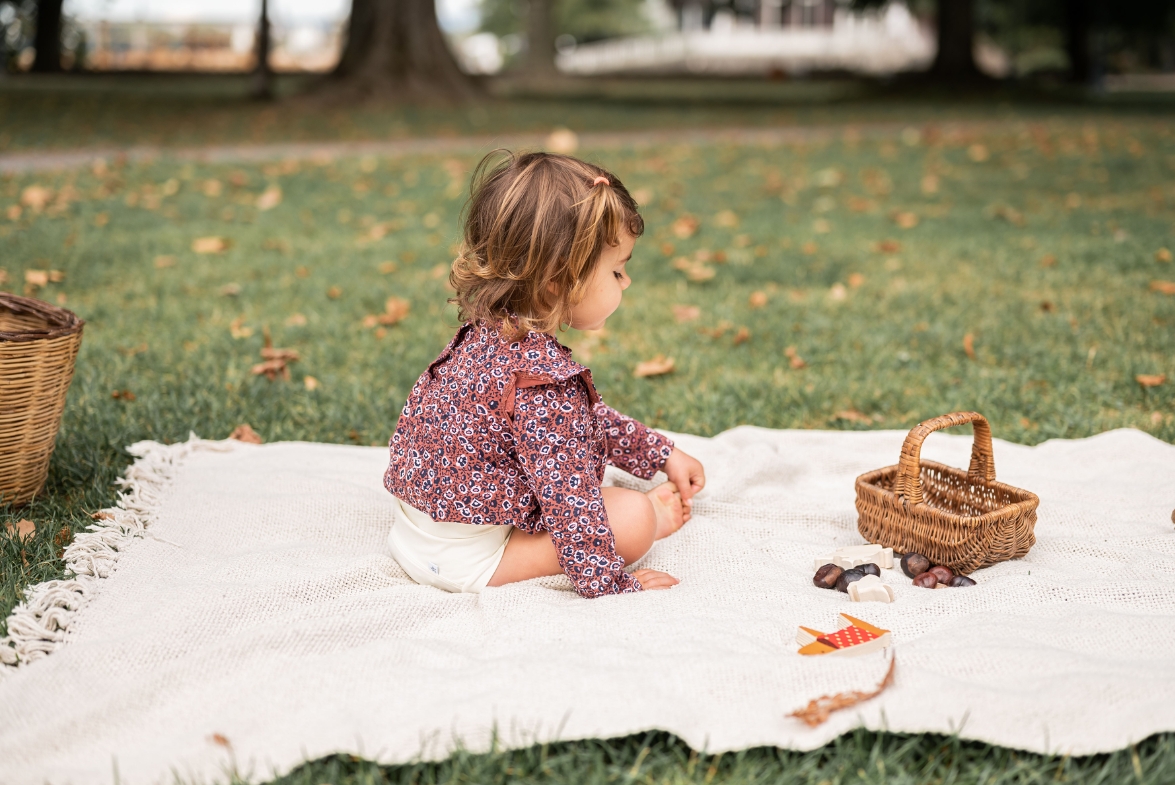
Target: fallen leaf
[[685, 227], [1009, 214], [101, 219], [302, 271], [794, 358], [276, 244], [387, 267], [563, 141], [1072, 201], [211, 188], [809, 248], [3, 276], [63, 537], [165, 261], [36, 197], [125, 395], [818, 710], [1047, 306], [210, 245], [906, 220], [667, 249], [245, 433], [1162, 287], [1048, 260], [439, 271], [655, 367], [270, 198], [296, 320], [838, 292], [969, 345], [757, 299], [852, 415], [821, 226], [1163, 255], [700, 272], [1150, 380], [310, 383], [395, 309], [36, 277], [855, 280], [14, 212], [686, 313], [887, 246], [217, 738], [230, 290], [726, 218], [276, 361], [978, 153], [930, 184], [131, 351], [334, 292], [238, 329], [102, 515], [22, 529], [742, 336]]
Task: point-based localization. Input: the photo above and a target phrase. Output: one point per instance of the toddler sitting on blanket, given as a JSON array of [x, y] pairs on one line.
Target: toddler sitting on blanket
[[498, 457]]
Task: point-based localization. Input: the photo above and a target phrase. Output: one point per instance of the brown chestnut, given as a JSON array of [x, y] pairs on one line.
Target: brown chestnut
[[914, 564], [847, 577], [869, 568], [961, 580], [927, 580], [827, 576], [944, 574]]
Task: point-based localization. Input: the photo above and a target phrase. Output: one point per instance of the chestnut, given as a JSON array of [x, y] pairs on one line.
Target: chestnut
[[847, 577], [944, 574], [927, 580], [914, 564], [869, 568], [961, 580], [827, 576]]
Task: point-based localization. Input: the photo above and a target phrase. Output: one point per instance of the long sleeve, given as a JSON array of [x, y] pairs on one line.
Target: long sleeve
[[559, 452], [632, 445]]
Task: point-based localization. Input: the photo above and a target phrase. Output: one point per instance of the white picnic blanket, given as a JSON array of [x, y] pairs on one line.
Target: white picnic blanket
[[261, 622]]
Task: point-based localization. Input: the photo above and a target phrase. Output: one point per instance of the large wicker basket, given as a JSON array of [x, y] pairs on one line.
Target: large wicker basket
[[38, 345], [962, 519]]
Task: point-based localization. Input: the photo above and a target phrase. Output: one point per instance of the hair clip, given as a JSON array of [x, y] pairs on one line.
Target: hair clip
[[601, 180]]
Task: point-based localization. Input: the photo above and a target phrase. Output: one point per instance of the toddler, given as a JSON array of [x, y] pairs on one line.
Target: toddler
[[498, 457]]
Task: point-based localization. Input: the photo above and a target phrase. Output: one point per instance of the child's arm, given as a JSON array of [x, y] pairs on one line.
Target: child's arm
[[632, 445], [553, 430]]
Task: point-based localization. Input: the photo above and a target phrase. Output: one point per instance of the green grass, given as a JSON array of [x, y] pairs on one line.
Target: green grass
[[878, 313]]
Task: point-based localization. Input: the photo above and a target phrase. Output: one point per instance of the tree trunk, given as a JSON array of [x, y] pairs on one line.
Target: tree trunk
[[262, 74], [48, 38], [395, 49], [540, 39], [1077, 31], [955, 59]]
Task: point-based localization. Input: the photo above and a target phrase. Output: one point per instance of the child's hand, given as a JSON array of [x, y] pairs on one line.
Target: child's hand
[[686, 472], [654, 579]]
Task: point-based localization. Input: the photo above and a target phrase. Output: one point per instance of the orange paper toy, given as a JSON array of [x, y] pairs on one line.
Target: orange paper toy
[[855, 637]]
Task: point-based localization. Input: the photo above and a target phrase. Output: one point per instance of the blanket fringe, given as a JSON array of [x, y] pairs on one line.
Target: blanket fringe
[[40, 624]]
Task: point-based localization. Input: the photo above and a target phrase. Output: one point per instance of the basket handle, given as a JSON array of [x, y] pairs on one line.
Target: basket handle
[[982, 469]]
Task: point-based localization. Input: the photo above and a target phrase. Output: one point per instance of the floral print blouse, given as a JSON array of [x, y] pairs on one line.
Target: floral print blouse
[[503, 432]]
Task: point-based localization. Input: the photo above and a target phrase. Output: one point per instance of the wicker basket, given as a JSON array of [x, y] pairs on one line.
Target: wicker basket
[[964, 520], [38, 345]]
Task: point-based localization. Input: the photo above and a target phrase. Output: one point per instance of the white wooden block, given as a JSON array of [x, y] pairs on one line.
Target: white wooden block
[[870, 589], [856, 555]]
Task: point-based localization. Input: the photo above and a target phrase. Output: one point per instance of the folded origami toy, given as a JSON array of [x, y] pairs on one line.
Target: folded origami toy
[[855, 637]]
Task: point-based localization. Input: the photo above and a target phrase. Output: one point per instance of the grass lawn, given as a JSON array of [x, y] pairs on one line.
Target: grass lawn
[[848, 283]]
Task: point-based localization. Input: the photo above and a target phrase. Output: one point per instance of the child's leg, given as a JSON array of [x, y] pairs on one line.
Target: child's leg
[[636, 519]]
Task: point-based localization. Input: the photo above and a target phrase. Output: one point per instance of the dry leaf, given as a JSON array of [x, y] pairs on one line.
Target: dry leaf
[[686, 313], [125, 395], [667, 249], [302, 271], [334, 293], [563, 141], [63, 537], [230, 290], [245, 433], [1150, 380], [270, 198], [809, 248], [164, 261], [102, 515], [821, 226], [1162, 287], [887, 246], [276, 361], [395, 309], [211, 188], [276, 244], [210, 245], [1163, 255], [1047, 306], [36, 277], [1072, 201], [978, 153], [838, 292], [794, 358], [855, 280], [23, 529], [238, 329], [387, 267], [36, 197], [310, 383], [217, 738], [296, 320], [1048, 260], [818, 710], [685, 227], [906, 219], [131, 351], [14, 212], [757, 299], [700, 272], [930, 184], [1009, 214], [101, 219], [852, 415], [727, 219], [655, 367], [3, 276], [742, 336], [969, 345]]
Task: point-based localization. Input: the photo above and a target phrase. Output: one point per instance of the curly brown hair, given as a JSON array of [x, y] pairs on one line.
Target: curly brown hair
[[535, 227]]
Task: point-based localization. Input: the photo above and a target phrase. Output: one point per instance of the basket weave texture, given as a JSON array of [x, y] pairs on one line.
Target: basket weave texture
[[38, 346], [962, 519]]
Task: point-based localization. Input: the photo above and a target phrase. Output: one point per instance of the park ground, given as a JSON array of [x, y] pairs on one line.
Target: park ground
[[899, 259]]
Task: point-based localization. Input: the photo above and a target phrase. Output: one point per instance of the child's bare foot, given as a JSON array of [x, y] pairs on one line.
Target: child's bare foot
[[671, 515]]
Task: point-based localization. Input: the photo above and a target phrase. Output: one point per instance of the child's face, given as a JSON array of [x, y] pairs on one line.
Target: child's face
[[606, 287]]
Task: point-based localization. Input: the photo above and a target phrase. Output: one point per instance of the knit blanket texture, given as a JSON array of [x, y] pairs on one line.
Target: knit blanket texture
[[239, 612]]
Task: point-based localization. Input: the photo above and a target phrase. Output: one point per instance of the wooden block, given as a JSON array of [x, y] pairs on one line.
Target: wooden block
[[870, 589], [856, 555], [806, 635], [816, 647]]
